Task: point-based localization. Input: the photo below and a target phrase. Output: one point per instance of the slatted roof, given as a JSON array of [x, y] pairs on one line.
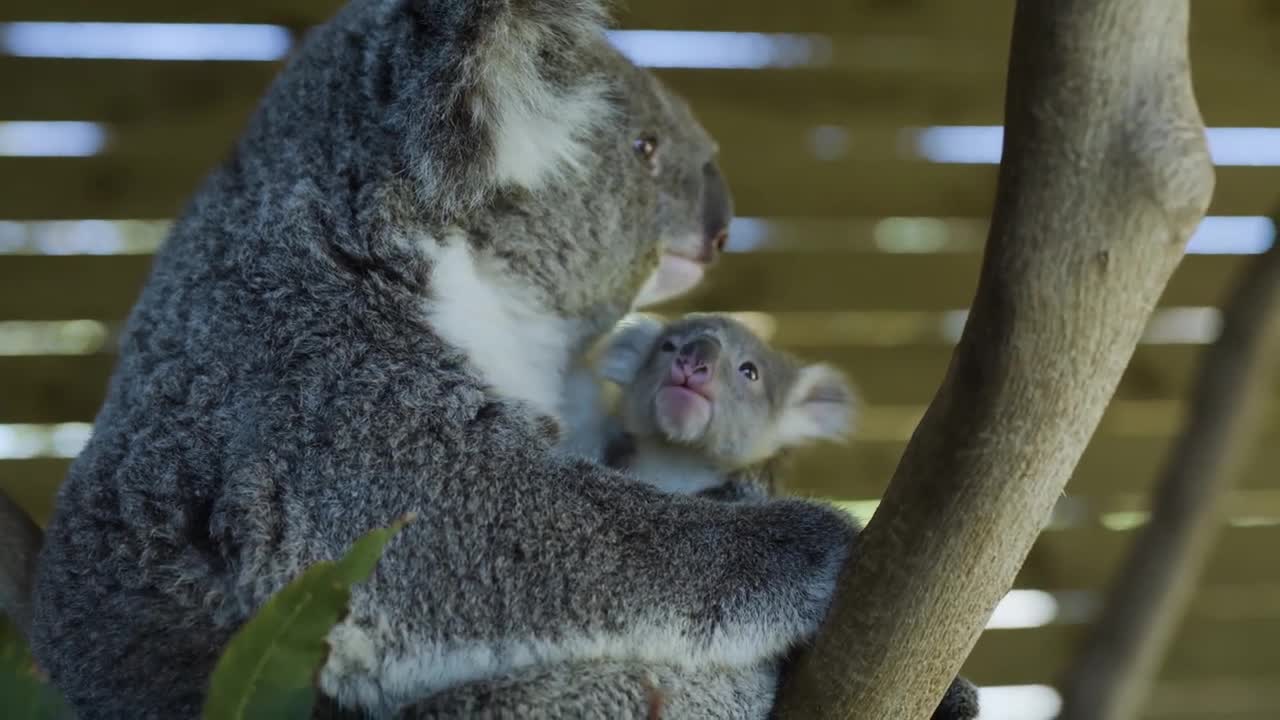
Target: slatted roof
[[860, 249]]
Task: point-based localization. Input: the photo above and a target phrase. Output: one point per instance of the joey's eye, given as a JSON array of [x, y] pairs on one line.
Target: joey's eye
[[646, 147], [749, 371], [668, 346]]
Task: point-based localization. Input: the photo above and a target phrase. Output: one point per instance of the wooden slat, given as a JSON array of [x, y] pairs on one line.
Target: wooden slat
[[1086, 558], [1243, 649], [1073, 559], [838, 281], [130, 91], [1114, 474], [123, 91], [39, 287], [1111, 464], [948, 66], [104, 287], [33, 484], [1061, 560], [151, 168], [173, 121], [1220, 697], [53, 389], [281, 12], [69, 388], [109, 187], [983, 23]]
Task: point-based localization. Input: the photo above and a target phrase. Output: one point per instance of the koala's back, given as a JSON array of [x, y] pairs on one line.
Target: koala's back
[[137, 569]]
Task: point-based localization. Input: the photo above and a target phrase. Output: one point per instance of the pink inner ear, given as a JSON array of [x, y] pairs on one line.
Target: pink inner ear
[[675, 276]]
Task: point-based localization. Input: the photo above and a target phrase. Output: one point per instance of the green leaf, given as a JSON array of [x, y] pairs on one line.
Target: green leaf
[[268, 669]]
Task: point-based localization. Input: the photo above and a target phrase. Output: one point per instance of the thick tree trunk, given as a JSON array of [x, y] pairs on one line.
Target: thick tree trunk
[[1104, 177], [1117, 665]]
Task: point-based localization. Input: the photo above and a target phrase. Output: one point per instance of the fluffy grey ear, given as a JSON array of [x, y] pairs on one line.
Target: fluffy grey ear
[[628, 346], [510, 99], [821, 406]]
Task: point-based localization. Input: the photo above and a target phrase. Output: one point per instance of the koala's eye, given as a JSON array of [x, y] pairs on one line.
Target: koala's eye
[[646, 147], [749, 371], [668, 346]]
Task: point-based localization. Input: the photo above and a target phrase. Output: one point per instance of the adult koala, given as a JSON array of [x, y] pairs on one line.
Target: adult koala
[[368, 309]]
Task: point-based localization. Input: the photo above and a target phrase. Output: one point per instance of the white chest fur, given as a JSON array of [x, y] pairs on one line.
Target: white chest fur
[[673, 470], [520, 348]]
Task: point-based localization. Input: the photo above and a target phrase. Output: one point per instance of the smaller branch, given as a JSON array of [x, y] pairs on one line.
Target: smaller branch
[[1118, 663]]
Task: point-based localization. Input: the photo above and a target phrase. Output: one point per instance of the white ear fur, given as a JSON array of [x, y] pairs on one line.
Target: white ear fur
[[627, 347], [821, 406]]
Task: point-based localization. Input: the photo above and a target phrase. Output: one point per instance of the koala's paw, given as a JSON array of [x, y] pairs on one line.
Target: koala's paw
[[798, 553], [960, 702]]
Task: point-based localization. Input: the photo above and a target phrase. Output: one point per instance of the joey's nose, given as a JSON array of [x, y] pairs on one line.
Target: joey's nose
[[697, 358], [717, 211]]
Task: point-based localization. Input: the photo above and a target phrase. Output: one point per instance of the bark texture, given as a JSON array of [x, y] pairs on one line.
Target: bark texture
[[1104, 177], [1120, 658]]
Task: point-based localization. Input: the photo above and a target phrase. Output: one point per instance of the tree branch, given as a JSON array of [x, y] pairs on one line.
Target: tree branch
[[1104, 177], [1120, 658]]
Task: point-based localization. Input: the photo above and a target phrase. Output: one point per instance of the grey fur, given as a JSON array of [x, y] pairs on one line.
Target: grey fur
[[281, 390]]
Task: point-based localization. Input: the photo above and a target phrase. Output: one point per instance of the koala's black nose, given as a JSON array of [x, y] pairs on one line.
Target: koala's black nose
[[717, 211]]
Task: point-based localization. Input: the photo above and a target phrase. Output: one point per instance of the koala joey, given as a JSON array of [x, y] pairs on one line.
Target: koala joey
[[707, 407]]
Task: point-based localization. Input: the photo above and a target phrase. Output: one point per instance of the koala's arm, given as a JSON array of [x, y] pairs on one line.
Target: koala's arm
[[519, 557]]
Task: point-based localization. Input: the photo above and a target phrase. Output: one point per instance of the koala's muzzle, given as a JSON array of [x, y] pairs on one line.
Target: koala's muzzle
[[717, 211]]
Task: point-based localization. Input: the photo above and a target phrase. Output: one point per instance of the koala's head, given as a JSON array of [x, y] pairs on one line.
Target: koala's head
[[643, 210], [707, 382], [559, 155]]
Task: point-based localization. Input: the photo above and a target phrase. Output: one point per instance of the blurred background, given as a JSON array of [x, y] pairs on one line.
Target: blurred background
[[861, 141]]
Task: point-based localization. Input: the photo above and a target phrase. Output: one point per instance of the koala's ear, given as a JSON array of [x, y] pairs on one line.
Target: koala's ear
[[511, 100], [628, 346], [821, 406]]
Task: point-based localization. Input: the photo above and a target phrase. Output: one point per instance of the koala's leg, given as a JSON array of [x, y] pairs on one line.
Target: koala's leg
[[612, 691]]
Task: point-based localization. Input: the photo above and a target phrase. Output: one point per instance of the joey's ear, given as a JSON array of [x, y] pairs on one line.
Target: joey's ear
[[821, 406], [628, 346]]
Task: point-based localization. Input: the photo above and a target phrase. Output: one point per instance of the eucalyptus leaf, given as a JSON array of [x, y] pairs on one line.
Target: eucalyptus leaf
[[268, 669]]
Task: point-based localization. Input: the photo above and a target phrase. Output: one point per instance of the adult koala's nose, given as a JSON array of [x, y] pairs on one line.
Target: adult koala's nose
[[717, 211]]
